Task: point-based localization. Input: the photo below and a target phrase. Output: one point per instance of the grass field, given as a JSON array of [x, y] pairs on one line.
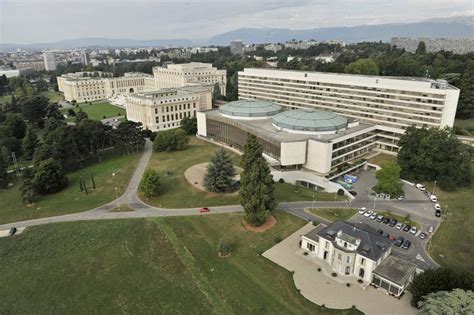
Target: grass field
[[161, 265], [452, 243], [465, 123], [70, 199], [5, 99], [97, 111], [333, 214], [382, 158], [53, 96], [176, 192]]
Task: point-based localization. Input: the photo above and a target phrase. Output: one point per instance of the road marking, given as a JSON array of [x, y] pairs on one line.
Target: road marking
[[419, 257]]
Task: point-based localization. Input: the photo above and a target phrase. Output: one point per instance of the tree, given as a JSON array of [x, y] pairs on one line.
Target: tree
[[441, 279], [434, 154], [189, 124], [219, 173], [216, 93], [170, 140], [256, 184], [389, 179], [150, 183], [3, 173], [34, 109], [49, 177], [223, 248], [41, 85], [466, 98], [16, 123], [421, 49], [363, 66], [81, 115], [128, 136], [27, 190], [456, 301], [30, 141]]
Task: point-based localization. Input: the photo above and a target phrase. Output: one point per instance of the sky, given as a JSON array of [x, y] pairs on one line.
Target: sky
[[35, 21]]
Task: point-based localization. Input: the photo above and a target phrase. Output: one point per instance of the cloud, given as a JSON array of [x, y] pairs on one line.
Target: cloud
[[30, 21]]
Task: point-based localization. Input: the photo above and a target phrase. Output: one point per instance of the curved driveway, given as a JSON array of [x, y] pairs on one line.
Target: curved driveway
[[143, 210]]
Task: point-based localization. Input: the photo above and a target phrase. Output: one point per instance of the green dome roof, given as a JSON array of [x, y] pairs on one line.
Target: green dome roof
[[250, 108], [309, 120]]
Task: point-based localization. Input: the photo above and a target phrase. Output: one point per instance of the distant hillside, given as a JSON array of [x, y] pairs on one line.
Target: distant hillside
[[450, 27], [461, 26]]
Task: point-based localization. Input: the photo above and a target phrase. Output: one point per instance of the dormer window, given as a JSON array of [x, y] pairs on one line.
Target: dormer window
[[345, 244]]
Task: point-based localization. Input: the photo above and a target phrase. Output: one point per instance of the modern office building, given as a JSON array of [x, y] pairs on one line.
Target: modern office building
[[237, 47], [165, 108], [357, 251], [49, 61], [389, 103], [92, 86], [85, 59], [320, 142], [190, 74]]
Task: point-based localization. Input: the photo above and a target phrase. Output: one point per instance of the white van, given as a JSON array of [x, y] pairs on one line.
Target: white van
[[433, 198]]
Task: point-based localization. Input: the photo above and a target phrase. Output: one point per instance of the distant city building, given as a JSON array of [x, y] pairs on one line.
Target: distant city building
[[49, 61], [300, 44], [92, 86], [273, 47], [456, 45], [37, 65], [236, 47], [85, 60], [188, 74], [165, 108], [334, 42], [326, 59]]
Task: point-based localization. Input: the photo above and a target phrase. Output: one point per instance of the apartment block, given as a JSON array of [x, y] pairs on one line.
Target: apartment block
[[390, 103]]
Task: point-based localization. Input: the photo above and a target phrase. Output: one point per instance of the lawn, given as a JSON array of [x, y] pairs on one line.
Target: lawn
[[160, 265], [451, 246], [53, 96], [5, 99], [176, 192], [333, 214], [97, 110], [382, 158], [70, 199]]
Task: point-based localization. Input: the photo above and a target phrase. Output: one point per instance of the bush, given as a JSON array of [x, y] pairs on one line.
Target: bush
[[223, 248], [340, 192], [71, 112], [319, 269], [334, 274], [348, 284], [281, 180], [170, 140], [150, 183], [49, 177], [359, 280]]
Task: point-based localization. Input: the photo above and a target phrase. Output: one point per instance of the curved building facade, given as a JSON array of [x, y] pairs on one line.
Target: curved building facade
[[309, 121], [250, 109]]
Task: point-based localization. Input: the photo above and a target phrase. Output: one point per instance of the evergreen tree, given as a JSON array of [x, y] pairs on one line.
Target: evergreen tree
[[3, 173], [256, 184], [27, 190], [466, 98], [458, 302], [219, 173], [30, 141], [49, 177], [81, 115], [421, 49], [189, 124], [16, 124]]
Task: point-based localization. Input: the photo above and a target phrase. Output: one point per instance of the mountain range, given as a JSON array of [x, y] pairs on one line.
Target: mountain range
[[460, 26]]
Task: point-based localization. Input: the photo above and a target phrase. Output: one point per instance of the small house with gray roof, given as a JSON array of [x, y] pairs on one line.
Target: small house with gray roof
[[356, 250]]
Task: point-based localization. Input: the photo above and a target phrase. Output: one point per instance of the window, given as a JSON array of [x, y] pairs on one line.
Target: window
[[339, 256], [345, 244], [362, 261], [348, 259], [327, 245], [310, 246]]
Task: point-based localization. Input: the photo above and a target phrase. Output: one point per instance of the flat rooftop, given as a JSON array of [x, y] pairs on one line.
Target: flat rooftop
[[264, 127], [396, 270]]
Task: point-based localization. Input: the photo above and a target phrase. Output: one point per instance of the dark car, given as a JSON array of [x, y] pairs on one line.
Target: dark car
[[438, 213], [384, 234], [386, 220], [353, 192], [407, 228], [393, 222], [406, 244], [399, 241], [380, 232], [12, 231]]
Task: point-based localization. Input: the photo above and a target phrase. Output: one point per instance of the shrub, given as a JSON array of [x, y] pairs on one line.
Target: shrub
[[170, 140], [340, 192], [223, 248], [319, 269], [281, 180], [49, 177], [348, 284], [359, 280], [334, 274], [150, 183]]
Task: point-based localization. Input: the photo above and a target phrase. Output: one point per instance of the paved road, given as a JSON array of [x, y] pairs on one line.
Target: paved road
[[142, 210]]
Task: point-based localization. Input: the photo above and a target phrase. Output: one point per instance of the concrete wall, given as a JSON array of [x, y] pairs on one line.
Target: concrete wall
[[293, 153], [319, 156], [201, 124]]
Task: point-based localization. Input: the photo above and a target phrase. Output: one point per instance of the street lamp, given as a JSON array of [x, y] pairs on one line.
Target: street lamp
[[434, 188], [116, 193]]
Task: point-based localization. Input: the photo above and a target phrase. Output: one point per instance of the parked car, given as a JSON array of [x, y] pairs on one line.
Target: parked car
[[353, 192], [12, 231], [386, 220], [420, 187], [400, 198], [437, 206], [413, 230], [384, 234], [203, 210], [422, 235], [438, 213], [406, 244], [373, 216], [368, 213], [430, 229], [399, 226], [393, 222], [362, 210], [407, 228], [399, 241], [379, 231], [392, 238], [433, 198], [379, 218]]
